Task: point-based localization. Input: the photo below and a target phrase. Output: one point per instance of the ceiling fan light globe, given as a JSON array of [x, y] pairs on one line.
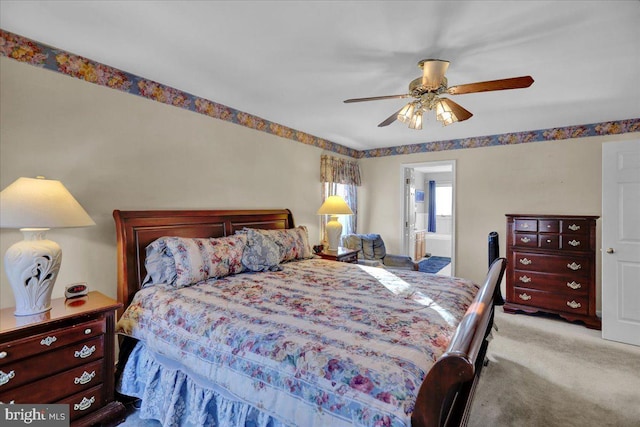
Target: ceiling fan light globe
[[416, 121], [406, 113]]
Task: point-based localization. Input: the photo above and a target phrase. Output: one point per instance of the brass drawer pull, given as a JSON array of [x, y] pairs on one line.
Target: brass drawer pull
[[524, 297], [574, 285], [84, 378], [48, 341], [525, 239], [573, 266], [525, 279], [3, 354], [5, 378], [574, 304], [85, 352], [85, 404], [574, 227], [574, 243], [525, 261]]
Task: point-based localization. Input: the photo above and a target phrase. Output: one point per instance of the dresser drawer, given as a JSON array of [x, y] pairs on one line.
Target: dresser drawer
[[551, 282], [56, 387], [548, 226], [525, 240], [18, 349], [575, 242], [529, 225], [549, 241], [574, 226], [573, 265], [51, 362], [85, 402], [577, 304]]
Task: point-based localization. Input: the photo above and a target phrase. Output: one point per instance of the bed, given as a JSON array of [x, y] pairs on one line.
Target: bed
[[302, 342]]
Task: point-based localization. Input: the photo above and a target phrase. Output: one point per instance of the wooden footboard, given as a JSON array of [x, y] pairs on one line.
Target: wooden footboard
[[445, 396]]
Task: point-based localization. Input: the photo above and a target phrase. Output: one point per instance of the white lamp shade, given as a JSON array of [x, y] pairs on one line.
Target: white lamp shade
[[335, 205], [40, 203]]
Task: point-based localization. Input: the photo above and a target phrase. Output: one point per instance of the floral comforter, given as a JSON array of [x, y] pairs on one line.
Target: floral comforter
[[320, 343]]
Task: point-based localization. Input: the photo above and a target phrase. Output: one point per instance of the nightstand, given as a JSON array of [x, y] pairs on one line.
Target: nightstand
[[65, 355], [341, 255]]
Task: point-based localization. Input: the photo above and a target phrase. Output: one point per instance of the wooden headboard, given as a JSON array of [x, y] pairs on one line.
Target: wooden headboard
[[135, 230]]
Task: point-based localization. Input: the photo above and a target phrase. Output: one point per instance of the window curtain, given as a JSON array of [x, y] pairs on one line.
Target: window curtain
[[340, 177], [431, 226]]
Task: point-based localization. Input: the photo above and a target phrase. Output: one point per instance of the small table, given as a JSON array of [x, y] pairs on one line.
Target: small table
[[340, 255]]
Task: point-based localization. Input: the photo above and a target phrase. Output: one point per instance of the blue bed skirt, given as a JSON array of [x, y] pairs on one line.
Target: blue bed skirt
[[174, 398]]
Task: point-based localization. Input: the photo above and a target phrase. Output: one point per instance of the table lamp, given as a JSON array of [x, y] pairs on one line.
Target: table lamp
[[334, 206], [34, 205]]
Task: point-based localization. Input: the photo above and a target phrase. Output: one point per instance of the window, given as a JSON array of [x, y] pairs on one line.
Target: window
[[444, 198]]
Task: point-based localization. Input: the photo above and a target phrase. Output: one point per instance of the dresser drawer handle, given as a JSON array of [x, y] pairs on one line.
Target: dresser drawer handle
[[524, 297], [574, 243], [574, 304], [85, 404], [574, 266], [525, 225], [574, 285], [3, 354], [525, 279], [84, 378], [48, 341], [85, 352], [574, 227], [87, 331], [5, 378], [525, 261], [548, 240], [525, 239]]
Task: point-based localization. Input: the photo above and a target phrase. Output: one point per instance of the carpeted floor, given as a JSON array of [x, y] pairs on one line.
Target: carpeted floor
[[547, 372], [433, 264]]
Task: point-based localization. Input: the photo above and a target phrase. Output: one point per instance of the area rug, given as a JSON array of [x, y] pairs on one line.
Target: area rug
[[433, 264]]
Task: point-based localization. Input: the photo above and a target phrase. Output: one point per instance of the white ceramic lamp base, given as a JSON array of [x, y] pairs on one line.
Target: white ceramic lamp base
[[334, 231], [32, 268]]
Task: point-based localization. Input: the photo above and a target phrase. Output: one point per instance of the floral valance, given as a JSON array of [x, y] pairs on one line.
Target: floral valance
[[339, 171]]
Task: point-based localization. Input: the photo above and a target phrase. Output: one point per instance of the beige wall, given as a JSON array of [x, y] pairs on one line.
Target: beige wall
[[117, 151], [555, 177]]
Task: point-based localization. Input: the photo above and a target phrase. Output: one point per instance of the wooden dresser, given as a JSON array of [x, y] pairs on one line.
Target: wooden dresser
[[551, 266], [65, 355]]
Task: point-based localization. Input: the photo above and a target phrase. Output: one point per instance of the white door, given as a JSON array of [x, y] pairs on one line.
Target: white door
[[409, 228], [621, 241]]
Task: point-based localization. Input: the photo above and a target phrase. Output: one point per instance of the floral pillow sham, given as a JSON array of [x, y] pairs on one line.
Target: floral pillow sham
[[181, 262], [293, 242]]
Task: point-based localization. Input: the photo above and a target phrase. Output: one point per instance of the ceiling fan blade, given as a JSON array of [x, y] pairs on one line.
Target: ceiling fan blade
[[502, 84], [457, 109], [392, 118], [433, 71], [376, 98]]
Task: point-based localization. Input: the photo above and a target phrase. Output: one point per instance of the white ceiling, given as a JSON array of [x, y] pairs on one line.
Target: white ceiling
[[294, 63]]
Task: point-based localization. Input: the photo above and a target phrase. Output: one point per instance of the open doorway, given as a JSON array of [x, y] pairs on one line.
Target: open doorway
[[429, 212]]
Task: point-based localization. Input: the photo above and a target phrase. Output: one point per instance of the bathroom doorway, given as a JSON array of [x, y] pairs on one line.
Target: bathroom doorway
[[429, 211]]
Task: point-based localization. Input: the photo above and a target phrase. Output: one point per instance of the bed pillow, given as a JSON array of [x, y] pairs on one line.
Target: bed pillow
[[198, 259], [159, 263], [261, 252], [292, 242]]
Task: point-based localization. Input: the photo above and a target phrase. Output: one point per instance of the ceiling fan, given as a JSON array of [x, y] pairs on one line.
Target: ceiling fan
[[427, 90]]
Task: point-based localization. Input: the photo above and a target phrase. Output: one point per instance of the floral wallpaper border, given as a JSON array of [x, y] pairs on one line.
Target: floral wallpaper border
[[31, 52]]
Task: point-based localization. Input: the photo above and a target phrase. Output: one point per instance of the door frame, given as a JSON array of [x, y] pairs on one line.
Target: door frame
[[425, 165]]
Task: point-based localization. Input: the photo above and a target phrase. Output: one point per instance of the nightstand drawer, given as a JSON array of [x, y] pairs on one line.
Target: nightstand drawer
[[85, 402], [51, 362], [18, 349], [67, 383]]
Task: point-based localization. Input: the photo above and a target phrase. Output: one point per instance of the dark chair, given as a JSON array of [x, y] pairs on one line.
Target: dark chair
[[371, 251]]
